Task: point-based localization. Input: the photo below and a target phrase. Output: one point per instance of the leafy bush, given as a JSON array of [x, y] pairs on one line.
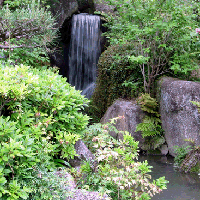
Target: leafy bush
[[25, 161], [163, 34], [118, 173], [40, 120], [14, 4], [26, 34]]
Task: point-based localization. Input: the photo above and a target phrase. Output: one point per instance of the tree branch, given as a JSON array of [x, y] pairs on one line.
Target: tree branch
[[20, 46]]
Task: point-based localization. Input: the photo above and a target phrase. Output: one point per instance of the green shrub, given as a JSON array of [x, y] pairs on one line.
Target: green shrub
[[26, 34], [117, 173], [41, 119], [145, 46], [117, 78], [14, 4], [163, 34], [24, 157]]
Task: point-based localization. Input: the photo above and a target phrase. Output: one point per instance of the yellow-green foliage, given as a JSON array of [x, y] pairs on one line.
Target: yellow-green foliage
[[197, 104], [117, 78], [148, 104], [40, 120], [151, 124]]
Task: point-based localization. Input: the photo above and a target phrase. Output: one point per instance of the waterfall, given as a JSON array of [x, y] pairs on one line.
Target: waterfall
[[84, 51]]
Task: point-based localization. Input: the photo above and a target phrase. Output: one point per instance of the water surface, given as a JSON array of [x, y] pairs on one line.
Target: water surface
[[180, 187]]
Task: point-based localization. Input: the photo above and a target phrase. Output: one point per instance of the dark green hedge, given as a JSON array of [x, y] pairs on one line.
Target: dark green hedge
[[113, 70]]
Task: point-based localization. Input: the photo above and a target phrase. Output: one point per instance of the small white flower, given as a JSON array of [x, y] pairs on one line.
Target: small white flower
[[121, 187]]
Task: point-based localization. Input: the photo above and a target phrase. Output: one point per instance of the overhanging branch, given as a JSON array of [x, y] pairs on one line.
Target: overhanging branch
[[20, 46]]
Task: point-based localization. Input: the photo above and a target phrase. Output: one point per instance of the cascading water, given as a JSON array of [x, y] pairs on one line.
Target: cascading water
[[84, 52]]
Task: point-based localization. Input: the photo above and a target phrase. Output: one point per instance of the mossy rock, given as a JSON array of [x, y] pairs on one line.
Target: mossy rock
[[192, 162], [114, 69], [196, 168]]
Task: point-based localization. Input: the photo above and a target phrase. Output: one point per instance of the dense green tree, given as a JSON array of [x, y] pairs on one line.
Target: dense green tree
[[163, 34], [26, 33]]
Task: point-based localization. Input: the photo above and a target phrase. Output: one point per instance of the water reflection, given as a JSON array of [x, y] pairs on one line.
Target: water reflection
[[180, 187]]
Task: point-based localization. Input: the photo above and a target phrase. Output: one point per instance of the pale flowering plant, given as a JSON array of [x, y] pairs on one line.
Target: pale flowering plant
[[118, 173], [198, 30]]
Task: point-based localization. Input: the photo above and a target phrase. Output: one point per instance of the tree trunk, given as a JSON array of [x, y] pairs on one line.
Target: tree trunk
[[1, 3]]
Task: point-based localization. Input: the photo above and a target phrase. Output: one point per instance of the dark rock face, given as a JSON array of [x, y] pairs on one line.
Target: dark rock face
[[84, 155], [1, 3], [132, 115], [164, 149], [64, 9], [180, 118], [86, 6]]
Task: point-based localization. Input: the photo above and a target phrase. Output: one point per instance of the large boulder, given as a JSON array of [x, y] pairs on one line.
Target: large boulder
[[131, 116], [84, 154], [180, 118]]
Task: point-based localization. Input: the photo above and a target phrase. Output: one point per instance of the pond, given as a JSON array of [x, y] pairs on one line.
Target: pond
[[180, 187]]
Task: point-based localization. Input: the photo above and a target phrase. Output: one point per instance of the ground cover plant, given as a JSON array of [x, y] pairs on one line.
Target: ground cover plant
[[41, 120], [118, 173], [151, 123]]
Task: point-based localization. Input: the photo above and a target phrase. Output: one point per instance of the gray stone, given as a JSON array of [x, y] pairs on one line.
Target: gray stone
[[180, 118], [101, 6], [64, 9], [84, 154], [77, 194], [164, 149], [70, 183], [131, 116], [86, 195]]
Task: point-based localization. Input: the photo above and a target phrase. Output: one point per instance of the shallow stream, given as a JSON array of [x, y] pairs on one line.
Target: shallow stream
[[180, 187]]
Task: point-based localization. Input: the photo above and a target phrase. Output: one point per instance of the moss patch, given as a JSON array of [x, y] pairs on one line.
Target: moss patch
[[114, 70]]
